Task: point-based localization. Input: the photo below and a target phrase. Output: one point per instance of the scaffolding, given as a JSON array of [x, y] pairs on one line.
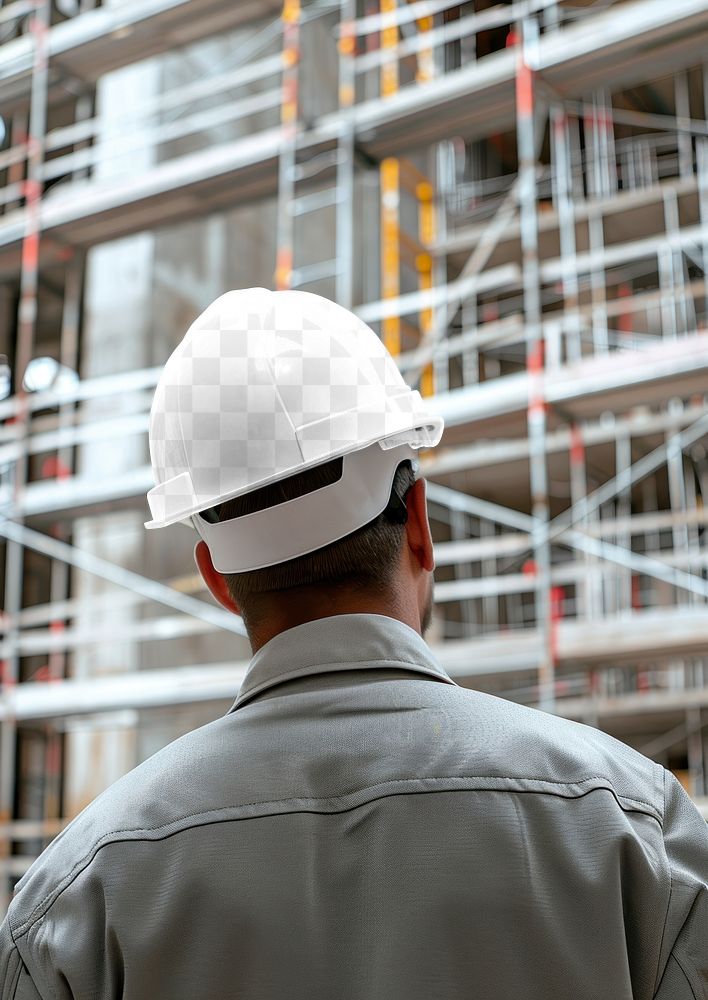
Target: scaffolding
[[515, 197]]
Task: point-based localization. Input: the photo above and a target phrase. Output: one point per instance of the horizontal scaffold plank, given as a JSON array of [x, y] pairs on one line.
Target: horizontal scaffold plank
[[651, 635], [94, 43], [631, 40]]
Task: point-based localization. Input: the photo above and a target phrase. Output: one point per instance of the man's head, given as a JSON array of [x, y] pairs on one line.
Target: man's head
[[385, 567], [270, 397]]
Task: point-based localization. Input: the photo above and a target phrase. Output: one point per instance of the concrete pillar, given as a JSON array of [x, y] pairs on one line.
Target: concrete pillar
[[116, 335]]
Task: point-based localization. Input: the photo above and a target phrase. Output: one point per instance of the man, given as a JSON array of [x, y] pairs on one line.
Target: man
[[357, 825]]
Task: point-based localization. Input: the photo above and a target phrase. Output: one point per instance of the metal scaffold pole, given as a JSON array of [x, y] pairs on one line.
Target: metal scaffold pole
[[288, 146], [562, 182], [27, 320], [535, 360], [390, 191]]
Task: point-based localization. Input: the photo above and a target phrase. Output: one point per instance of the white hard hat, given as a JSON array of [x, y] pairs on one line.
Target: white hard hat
[[263, 386]]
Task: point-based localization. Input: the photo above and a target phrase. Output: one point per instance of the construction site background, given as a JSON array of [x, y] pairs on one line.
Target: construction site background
[[513, 195]]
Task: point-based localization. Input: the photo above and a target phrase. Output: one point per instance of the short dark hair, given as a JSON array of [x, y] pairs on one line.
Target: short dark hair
[[363, 561]]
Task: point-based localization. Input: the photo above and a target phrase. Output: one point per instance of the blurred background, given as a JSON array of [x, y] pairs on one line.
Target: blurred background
[[514, 195]]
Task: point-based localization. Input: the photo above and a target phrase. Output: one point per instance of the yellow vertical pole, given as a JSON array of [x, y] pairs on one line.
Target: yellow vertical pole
[[390, 250], [389, 40], [424, 266], [389, 185], [347, 52], [344, 211], [426, 65]]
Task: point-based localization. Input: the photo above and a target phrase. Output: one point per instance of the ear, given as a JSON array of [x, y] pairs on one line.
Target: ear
[[418, 532], [213, 578]]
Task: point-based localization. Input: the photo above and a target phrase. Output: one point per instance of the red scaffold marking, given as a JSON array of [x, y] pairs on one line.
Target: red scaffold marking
[[5, 679], [577, 448], [524, 89], [636, 594], [30, 252], [534, 361], [557, 597], [32, 190]]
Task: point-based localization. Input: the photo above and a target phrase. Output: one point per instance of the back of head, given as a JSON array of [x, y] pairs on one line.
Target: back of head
[[364, 561]]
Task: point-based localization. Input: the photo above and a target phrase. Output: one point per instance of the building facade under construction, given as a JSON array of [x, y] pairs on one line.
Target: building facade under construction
[[514, 195]]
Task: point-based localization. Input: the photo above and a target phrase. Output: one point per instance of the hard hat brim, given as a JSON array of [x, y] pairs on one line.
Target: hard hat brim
[[175, 500]]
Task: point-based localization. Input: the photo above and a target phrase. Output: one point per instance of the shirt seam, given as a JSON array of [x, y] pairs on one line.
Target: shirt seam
[[23, 927], [672, 954], [38, 977], [672, 880], [22, 964], [671, 884], [676, 950], [13, 974]]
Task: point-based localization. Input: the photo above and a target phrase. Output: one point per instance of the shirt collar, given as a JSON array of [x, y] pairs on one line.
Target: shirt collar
[[338, 642]]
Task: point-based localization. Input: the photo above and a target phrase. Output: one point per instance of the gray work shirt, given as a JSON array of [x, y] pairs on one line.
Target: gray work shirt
[[360, 827]]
